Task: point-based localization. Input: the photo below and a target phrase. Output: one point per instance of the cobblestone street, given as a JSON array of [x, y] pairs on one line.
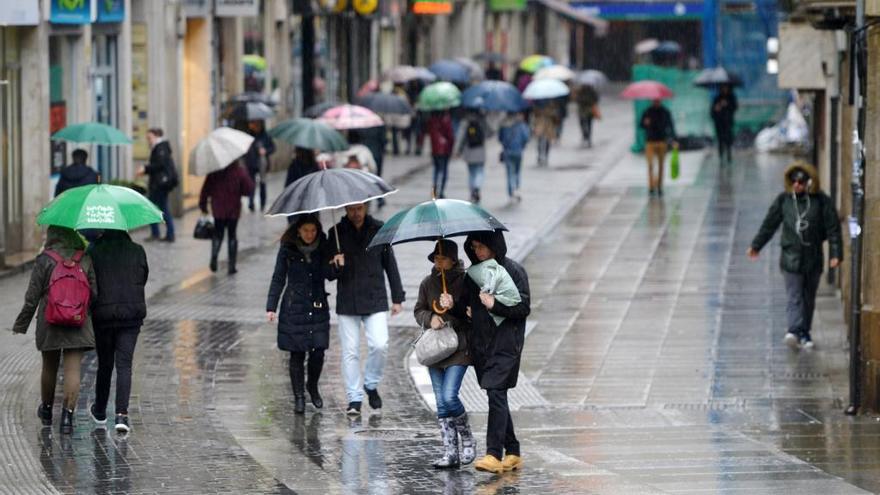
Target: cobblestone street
[[653, 362]]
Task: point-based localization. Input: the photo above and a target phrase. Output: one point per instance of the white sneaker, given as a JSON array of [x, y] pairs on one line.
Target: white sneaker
[[791, 340]]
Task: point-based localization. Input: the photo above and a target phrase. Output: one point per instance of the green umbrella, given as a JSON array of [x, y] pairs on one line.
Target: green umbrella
[[92, 132], [255, 61], [310, 134], [439, 96], [436, 219], [100, 206]]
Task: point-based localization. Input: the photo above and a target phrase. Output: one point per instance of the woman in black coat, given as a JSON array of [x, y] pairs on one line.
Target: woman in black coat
[[305, 259], [495, 349]]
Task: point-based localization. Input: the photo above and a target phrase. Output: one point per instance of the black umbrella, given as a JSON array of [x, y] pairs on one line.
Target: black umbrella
[[384, 103], [315, 111], [491, 57], [718, 76], [329, 189], [251, 110]]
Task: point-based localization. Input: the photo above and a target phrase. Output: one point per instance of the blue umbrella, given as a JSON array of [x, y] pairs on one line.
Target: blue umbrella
[[451, 71], [494, 96]]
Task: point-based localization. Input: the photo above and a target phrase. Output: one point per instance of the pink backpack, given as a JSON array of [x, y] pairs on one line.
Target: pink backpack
[[67, 302]]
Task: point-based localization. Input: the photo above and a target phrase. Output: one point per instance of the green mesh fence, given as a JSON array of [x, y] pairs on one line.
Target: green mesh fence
[[689, 107]]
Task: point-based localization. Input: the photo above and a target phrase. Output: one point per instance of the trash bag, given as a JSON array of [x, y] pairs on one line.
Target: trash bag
[[204, 228]]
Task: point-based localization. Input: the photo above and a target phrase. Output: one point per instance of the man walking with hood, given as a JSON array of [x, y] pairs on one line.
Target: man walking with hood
[[495, 348], [808, 218]]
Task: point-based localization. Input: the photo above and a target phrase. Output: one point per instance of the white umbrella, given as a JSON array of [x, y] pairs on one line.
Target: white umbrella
[[544, 89], [218, 149], [362, 153], [646, 46], [592, 78], [558, 72]]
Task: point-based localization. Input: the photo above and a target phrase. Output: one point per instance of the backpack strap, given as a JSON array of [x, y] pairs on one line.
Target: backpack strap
[[77, 256], [54, 255]]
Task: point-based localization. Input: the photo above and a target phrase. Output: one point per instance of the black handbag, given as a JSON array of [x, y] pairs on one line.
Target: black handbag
[[204, 228]]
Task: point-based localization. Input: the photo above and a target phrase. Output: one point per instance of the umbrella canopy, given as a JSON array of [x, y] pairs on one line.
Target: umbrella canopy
[[439, 96], [592, 78], [646, 46], [474, 69], [451, 71], [218, 149], [533, 63], [543, 89], [490, 57], [436, 219], [385, 104], [251, 110], [351, 117], [100, 206], [667, 48], [252, 96], [403, 74], [558, 72], [92, 132], [318, 109], [255, 61], [494, 96], [718, 76], [368, 87], [647, 90], [328, 189], [362, 153], [310, 134]]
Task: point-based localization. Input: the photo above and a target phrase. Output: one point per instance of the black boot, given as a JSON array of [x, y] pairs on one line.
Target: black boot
[[215, 252], [297, 378], [316, 364], [233, 253], [66, 421], [44, 412]]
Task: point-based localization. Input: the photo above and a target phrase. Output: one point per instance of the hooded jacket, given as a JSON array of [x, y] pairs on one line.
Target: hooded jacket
[[121, 273], [161, 164], [802, 252], [361, 286], [75, 175], [429, 291], [65, 242], [495, 350], [304, 315]]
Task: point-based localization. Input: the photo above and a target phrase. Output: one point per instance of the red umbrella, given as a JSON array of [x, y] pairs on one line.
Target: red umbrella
[[647, 90], [368, 87]]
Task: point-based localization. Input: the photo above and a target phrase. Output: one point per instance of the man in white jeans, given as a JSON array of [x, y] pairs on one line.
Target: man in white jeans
[[361, 297]]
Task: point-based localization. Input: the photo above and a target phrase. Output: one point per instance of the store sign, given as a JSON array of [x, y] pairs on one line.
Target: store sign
[[73, 11], [111, 10], [237, 8], [507, 5], [642, 11], [365, 7], [196, 8], [430, 7], [19, 12]]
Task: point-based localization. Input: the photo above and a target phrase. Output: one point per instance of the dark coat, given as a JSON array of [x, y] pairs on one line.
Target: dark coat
[[495, 350], [226, 187], [723, 109], [160, 164], [441, 134], [657, 123], [429, 291], [50, 337], [299, 169], [121, 272], [802, 255], [74, 176], [252, 157], [304, 316], [361, 287], [375, 140]]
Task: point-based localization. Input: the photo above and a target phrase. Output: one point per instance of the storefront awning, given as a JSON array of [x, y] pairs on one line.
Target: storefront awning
[[563, 8]]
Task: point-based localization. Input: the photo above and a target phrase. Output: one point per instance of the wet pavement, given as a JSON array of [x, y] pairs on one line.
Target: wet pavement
[[653, 362]]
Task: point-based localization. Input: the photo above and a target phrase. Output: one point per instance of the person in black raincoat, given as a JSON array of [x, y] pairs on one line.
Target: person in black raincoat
[[808, 218], [77, 174], [305, 259], [257, 160], [723, 109], [495, 350]]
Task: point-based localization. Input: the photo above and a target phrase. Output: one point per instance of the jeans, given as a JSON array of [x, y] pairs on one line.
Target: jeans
[[447, 383], [115, 346], [259, 179], [160, 199], [376, 329], [587, 128], [441, 173], [514, 166], [801, 290], [476, 173], [543, 151], [500, 436]]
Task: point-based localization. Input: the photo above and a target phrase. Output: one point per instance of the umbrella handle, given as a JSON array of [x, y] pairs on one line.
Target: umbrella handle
[[437, 309], [434, 304], [335, 230]]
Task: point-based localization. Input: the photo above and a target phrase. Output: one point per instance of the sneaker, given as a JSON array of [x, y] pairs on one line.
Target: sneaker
[[791, 340], [100, 419], [354, 409], [44, 412], [375, 400], [806, 342], [122, 425]]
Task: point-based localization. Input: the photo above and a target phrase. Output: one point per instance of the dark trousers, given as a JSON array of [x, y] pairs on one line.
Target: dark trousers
[[160, 199], [222, 225], [441, 173], [261, 186], [500, 437], [316, 364], [801, 290], [115, 347], [724, 135], [587, 128]]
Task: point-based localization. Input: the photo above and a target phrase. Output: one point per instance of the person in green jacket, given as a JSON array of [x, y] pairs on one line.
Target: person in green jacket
[[808, 218]]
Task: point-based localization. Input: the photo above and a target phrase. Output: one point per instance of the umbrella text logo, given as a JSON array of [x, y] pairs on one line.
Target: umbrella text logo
[[100, 214]]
